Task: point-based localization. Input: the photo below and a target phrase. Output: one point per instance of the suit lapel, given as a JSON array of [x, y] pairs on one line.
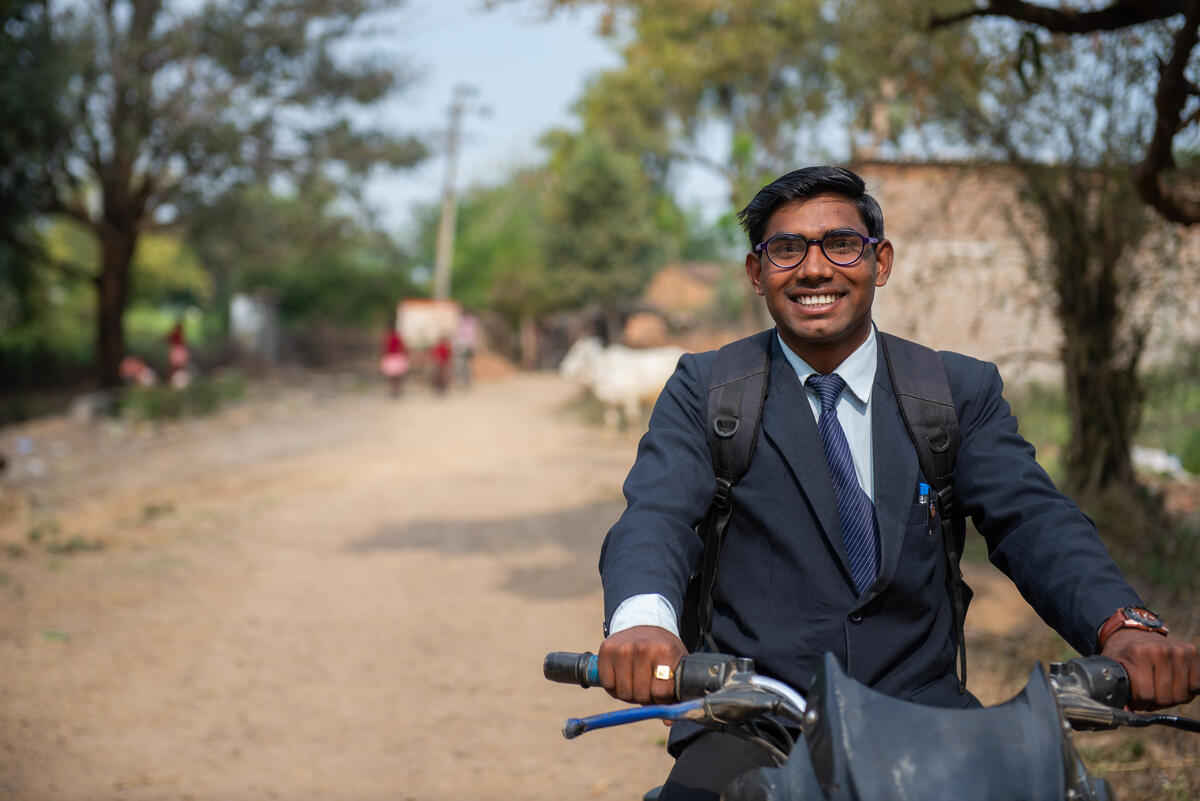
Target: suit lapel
[[895, 465], [788, 422]]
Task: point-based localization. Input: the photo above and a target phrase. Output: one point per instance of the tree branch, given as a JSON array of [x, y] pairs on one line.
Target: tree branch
[[1172, 201], [40, 255], [1120, 14]]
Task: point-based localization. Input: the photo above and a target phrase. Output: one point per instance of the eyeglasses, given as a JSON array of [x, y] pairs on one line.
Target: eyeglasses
[[843, 248]]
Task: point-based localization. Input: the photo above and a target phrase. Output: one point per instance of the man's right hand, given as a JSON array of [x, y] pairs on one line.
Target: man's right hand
[[628, 659]]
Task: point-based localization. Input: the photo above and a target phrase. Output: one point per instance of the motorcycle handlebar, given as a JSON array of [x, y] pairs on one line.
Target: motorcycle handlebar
[[1096, 677], [567, 667], [696, 675]]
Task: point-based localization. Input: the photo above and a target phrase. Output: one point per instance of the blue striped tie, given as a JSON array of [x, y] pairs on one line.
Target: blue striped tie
[[855, 509]]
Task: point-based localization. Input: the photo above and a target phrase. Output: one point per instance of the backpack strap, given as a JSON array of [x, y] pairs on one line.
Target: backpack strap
[[927, 407], [736, 390]]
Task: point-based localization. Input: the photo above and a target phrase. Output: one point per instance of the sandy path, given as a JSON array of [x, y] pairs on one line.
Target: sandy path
[[346, 598], [330, 595]]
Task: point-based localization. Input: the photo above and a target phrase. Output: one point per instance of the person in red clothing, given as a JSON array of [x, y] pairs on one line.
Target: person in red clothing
[[393, 361], [178, 356], [440, 355]]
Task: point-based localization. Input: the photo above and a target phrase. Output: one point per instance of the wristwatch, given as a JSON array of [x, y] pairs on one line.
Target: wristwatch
[[1131, 617]]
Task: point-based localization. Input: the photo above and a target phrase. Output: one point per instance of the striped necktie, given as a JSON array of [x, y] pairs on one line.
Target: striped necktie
[[855, 509]]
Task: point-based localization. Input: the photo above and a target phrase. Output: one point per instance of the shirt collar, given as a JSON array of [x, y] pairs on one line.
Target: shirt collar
[[857, 370]]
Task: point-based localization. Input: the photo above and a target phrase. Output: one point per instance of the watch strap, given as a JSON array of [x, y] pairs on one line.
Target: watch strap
[[1130, 618]]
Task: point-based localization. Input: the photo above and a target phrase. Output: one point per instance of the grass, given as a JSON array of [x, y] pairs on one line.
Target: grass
[[1171, 419], [1170, 416], [204, 395], [47, 535], [1041, 412]]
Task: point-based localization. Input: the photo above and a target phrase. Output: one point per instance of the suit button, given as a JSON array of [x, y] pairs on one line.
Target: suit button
[[855, 618]]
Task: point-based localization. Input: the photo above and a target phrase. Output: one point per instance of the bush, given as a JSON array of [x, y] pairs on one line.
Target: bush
[[1190, 455], [202, 396]]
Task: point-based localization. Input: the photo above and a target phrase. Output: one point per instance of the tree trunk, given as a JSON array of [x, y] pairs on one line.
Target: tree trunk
[[1100, 363], [116, 251], [1103, 401], [529, 342]]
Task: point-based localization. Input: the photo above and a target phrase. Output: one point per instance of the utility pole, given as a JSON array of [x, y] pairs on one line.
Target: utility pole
[[445, 239]]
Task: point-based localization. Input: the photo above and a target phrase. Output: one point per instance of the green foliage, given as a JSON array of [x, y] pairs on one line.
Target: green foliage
[[166, 272], [50, 340], [1041, 412], [499, 263], [32, 78], [777, 80], [514, 251], [604, 245], [321, 263], [202, 396], [1190, 452], [169, 108], [1171, 414]]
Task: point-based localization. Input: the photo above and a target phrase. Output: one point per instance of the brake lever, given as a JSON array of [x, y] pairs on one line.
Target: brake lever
[[1093, 692]]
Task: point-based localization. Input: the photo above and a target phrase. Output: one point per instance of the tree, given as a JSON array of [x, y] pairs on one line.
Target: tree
[[1164, 179], [602, 243], [170, 107], [31, 77], [321, 262], [1071, 132], [777, 81]]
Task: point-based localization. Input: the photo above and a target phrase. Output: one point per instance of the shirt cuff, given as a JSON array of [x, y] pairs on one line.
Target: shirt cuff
[[649, 609]]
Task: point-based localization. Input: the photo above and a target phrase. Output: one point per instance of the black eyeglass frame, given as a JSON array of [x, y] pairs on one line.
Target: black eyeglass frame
[[762, 247]]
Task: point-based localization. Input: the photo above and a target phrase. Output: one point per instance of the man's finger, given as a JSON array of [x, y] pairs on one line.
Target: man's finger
[[663, 685]]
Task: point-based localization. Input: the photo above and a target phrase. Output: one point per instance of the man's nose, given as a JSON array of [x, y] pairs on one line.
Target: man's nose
[[816, 264]]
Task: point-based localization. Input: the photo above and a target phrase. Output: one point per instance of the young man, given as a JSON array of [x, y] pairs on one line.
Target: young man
[[829, 546]]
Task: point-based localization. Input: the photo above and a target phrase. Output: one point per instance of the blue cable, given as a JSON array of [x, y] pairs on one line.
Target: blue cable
[[577, 726]]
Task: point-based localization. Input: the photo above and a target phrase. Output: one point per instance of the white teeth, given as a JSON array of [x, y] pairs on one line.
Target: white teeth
[[815, 300]]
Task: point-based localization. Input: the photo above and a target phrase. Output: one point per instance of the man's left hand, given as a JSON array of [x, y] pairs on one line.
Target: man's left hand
[[1162, 672]]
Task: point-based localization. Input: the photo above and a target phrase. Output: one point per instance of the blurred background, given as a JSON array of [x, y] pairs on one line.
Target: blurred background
[[287, 284]]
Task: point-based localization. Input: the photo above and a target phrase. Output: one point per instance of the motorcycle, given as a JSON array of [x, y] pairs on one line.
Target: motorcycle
[[843, 741]]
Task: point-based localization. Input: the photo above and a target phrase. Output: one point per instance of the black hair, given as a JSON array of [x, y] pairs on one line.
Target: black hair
[[806, 183]]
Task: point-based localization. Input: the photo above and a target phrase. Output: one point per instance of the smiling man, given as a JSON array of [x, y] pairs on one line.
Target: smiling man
[[830, 545]]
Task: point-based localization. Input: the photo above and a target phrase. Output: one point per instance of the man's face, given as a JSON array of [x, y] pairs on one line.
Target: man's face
[[823, 310]]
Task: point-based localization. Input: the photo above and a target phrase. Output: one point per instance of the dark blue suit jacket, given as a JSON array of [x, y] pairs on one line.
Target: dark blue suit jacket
[[783, 593]]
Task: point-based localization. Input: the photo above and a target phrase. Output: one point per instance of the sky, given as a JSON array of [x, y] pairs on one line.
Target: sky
[[527, 71]]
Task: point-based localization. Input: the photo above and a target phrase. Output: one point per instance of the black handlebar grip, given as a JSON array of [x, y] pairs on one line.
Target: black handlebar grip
[[1096, 677], [567, 667]]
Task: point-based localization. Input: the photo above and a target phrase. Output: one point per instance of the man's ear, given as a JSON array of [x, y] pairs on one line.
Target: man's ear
[[754, 271], [884, 253]]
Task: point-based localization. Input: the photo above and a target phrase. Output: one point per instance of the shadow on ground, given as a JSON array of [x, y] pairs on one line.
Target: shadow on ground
[[579, 531]]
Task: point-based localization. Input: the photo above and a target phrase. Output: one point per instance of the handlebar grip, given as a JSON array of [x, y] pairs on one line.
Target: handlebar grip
[[568, 667], [1096, 677]]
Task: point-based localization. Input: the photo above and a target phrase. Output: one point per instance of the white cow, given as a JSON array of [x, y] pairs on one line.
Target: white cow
[[621, 378]]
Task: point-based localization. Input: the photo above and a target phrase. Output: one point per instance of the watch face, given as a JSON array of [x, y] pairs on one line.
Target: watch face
[[1143, 616]]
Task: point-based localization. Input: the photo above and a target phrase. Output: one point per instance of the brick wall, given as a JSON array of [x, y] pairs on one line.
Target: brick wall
[[960, 279]]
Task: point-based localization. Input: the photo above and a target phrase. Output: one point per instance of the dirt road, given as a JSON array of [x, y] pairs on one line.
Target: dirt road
[[319, 594]]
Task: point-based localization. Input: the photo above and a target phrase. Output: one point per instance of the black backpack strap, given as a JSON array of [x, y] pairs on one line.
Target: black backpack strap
[[736, 390], [923, 394]]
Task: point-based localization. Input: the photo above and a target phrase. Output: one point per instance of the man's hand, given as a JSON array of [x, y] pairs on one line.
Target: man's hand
[[628, 660], [1162, 672]]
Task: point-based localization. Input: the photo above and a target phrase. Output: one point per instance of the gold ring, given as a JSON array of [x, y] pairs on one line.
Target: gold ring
[[663, 672]]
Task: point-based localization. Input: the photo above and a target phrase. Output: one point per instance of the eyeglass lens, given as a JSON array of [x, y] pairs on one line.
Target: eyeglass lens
[[841, 247]]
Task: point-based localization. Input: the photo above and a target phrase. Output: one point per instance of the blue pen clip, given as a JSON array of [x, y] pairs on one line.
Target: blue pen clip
[[922, 493]]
